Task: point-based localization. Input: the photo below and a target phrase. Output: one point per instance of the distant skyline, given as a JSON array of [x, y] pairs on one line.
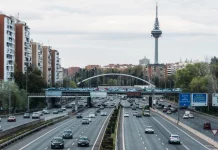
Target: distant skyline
[[104, 32]]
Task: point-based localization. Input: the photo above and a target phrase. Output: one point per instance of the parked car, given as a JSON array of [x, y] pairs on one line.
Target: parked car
[[174, 139], [26, 115], [57, 142], [207, 125], [11, 119]]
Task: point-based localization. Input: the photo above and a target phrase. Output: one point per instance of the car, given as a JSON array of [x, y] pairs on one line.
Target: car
[[85, 121], [190, 115], [40, 113], [26, 115], [11, 119], [101, 107], [45, 109], [79, 115], [140, 107], [55, 112], [0, 128], [57, 142], [185, 116], [139, 115], [165, 110], [83, 141], [126, 114], [67, 134], [63, 108], [168, 111], [135, 113], [207, 125], [46, 112], [103, 113], [35, 115], [92, 115], [89, 118], [147, 113], [60, 110], [149, 129], [169, 106], [174, 139], [173, 109], [98, 111]]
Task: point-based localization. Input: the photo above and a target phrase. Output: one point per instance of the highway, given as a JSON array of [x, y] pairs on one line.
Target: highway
[[42, 140], [135, 138], [197, 122]]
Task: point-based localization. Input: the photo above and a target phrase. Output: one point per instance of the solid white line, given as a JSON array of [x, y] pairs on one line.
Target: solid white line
[[46, 147], [186, 133], [68, 148], [101, 130], [123, 131]]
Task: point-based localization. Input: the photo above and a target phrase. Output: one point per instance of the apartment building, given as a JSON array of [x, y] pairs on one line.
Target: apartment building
[[56, 66], [71, 71], [37, 56], [47, 53], [155, 70], [23, 50], [7, 47]]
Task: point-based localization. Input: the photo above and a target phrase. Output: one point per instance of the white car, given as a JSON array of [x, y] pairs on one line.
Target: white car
[[91, 115], [149, 129], [185, 116], [126, 114], [90, 119], [190, 115]]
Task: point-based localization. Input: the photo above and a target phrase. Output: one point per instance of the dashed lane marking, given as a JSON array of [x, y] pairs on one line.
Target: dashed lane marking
[[73, 144]]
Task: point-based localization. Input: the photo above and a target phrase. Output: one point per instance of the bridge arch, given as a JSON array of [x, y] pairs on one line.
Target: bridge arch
[[117, 74]]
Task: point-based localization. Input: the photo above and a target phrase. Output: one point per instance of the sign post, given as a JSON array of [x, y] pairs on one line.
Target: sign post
[[184, 100]]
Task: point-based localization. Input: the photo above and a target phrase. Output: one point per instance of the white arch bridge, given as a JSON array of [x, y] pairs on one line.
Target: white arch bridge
[[117, 74]]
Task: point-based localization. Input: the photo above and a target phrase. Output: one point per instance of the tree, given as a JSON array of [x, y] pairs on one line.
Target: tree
[[199, 84], [73, 84]]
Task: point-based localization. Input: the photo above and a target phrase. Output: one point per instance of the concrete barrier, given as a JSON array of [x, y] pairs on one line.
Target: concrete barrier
[[195, 132]]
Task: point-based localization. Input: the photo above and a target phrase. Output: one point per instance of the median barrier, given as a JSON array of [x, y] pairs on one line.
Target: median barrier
[[193, 131], [19, 127]]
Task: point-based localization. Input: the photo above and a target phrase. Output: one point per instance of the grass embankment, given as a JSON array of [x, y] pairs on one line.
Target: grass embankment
[[109, 139]]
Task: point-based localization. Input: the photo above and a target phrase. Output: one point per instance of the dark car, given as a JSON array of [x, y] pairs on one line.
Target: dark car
[[69, 106], [67, 134], [98, 111], [207, 125], [83, 141], [79, 116], [55, 112], [60, 110], [165, 110], [26, 115], [57, 142], [138, 115]]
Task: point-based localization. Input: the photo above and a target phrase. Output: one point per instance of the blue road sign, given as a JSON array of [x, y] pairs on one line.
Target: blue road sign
[[199, 99], [185, 99]]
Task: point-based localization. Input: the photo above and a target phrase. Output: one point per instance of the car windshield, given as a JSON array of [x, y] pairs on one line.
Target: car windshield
[[175, 136], [83, 138], [57, 140], [69, 132]]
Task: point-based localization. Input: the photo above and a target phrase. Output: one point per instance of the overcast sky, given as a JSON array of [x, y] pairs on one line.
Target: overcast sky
[[118, 31]]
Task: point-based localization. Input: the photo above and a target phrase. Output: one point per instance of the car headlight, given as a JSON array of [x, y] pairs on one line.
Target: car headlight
[[52, 143], [61, 143]]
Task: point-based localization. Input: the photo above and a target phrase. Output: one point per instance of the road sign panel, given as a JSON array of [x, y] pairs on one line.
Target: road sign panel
[[215, 99], [184, 99], [214, 131], [199, 99]]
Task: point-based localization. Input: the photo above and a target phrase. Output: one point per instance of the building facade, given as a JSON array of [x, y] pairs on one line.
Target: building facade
[[37, 56], [23, 48], [118, 66], [145, 61], [153, 71], [56, 66], [71, 71], [47, 64], [89, 67], [7, 47]]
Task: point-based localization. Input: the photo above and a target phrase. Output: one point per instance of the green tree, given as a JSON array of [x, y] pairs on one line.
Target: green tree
[[73, 84], [199, 84]]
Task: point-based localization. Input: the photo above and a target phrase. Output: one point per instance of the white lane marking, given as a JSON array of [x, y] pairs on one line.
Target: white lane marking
[[162, 143], [123, 131], [166, 148], [143, 143], [185, 133], [101, 130], [73, 144], [44, 135], [68, 148], [145, 147], [46, 147], [158, 138]]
